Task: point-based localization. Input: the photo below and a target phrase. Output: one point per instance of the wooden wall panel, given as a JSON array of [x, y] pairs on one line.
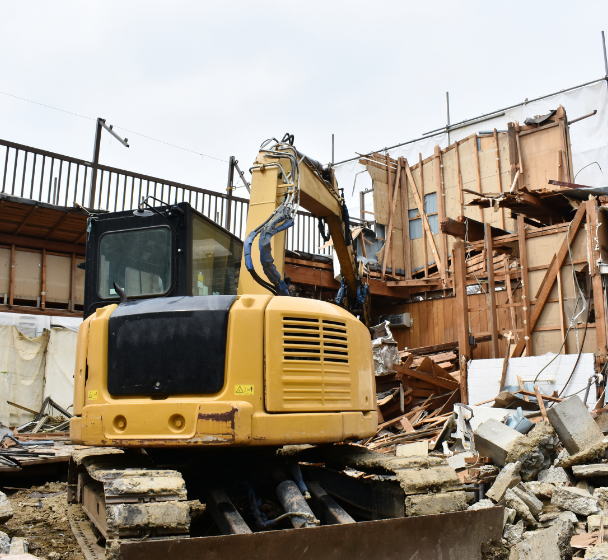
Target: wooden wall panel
[[5, 270], [28, 275], [58, 277]]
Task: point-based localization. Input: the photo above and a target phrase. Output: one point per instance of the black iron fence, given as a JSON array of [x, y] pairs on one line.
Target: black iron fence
[[63, 180]]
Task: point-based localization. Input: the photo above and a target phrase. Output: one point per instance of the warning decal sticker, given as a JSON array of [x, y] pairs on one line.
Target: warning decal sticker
[[243, 390]]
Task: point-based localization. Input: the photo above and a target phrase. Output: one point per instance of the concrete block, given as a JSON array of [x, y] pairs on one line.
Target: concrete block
[[514, 533], [534, 504], [555, 475], [416, 449], [590, 471], [430, 504], [6, 510], [548, 544], [575, 500], [542, 490], [457, 461], [574, 425], [494, 440], [5, 543], [523, 511], [19, 545], [598, 552], [507, 478], [593, 523]]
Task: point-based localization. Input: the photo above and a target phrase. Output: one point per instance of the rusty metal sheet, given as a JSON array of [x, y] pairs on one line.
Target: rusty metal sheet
[[449, 535]]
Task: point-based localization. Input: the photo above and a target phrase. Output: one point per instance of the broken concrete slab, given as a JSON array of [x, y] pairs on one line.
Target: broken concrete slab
[[516, 503], [514, 533], [598, 552], [507, 478], [6, 510], [19, 545], [430, 504], [574, 425], [590, 471], [431, 479], [494, 440], [547, 544], [542, 490], [5, 543], [594, 453], [585, 485], [555, 475], [534, 504], [575, 500], [458, 460], [601, 495]]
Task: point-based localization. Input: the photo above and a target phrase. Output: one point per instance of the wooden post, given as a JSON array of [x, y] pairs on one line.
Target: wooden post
[[405, 220], [460, 193], [461, 314], [510, 294], [491, 290], [73, 282], [388, 242], [478, 173], [387, 236], [525, 287], [502, 210], [443, 239], [562, 319], [43, 281], [423, 216], [596, 278], [11, 286]]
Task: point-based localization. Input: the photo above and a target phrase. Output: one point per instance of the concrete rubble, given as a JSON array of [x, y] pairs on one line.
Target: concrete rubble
[[6, 510], [553, 481]]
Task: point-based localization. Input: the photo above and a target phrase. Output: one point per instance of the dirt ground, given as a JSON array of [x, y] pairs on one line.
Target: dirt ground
[[41, 516]]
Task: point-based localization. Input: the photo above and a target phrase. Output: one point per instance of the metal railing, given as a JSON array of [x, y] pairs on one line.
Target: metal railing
[[61, 180]]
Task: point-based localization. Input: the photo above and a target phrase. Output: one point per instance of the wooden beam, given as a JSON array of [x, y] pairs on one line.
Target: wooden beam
[[441, 211], [478, 175], [25, 220], [81, 237], [502, 210], [427, 377], [551, 276], [562, 318], [11, 285], [512, 304], [492, 291], [422, 212], [596, 277], [460, 193], [43, 281], [36, 243], [57, 225], [541, 404], [525, 284], [474, 229], [388, 244], [73, 283], [405, 220], [425, 221], [461, 314]]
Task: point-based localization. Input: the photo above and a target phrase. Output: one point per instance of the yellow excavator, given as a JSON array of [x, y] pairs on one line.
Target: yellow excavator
[[193, 354]]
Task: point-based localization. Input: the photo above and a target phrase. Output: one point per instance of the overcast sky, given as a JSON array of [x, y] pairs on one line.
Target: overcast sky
[[220, 77]]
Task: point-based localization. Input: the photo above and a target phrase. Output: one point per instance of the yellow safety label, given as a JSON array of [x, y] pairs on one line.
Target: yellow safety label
[[93, 395], [243, 389]]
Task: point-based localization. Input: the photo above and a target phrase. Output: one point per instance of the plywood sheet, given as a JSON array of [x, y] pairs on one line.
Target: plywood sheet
[[28, 272], [58, 273], [539, 154]]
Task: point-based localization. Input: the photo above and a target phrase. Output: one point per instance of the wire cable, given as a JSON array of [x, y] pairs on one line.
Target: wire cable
[[120, 127]]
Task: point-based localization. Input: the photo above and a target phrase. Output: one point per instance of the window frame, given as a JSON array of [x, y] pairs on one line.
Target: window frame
[[140, 296], [419, 217]]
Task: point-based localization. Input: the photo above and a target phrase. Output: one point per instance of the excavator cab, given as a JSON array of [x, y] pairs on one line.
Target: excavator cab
[[153, 252]]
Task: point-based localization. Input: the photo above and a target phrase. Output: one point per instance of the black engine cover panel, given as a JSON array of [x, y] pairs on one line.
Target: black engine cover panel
[[174, 345]]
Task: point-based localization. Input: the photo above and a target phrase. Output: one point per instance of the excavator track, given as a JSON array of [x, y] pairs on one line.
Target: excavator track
[[126, 496]]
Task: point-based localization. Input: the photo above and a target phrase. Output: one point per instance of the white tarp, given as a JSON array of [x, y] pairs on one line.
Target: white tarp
[[21, 374], [34, 368], [588, 139], [483, 379], [60, 363], [34, 325]]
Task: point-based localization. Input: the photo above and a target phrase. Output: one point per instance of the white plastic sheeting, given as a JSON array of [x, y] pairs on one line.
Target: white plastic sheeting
[[33, 368], [483, 378], [34, 325], [588, 139]]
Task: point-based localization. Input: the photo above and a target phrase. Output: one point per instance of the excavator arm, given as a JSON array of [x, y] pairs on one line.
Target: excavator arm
[[283, 180]]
